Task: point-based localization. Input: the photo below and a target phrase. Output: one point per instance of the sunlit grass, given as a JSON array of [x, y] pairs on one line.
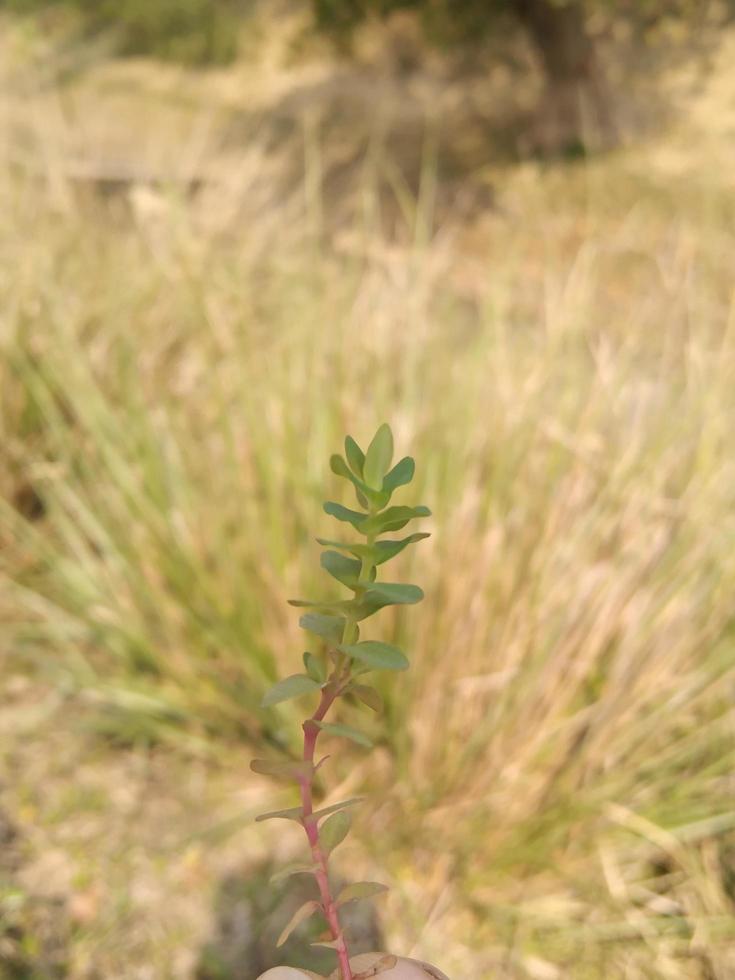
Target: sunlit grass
[[556, 787]]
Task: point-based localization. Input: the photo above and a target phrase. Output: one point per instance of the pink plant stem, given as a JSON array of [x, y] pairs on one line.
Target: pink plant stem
[[321, 859]]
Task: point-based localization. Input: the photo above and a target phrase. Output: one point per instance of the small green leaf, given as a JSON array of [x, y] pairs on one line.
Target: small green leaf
[[295, 813], [381, 594], [397, 593], [368, 696], [366, 495], [345, 731], [391, 519], [378, 457], [345, 570], [282, 768], [336, 807], [299, 916], [315, 668], [377, 656], [389, 549], [329, 628], [288, 688], [338, 466], [355, 456], [334, 830], [361, 550], [353, 517], [352, 608], [360, 889], [364, 492], [367, 605], [401, 474], [329, 608], [297, 869]]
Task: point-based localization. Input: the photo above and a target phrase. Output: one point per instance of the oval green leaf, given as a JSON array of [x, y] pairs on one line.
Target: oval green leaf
[[295, 813], [334, 830], [338, 466], [300, 915], [386, 550], [397, 593], [330, 628], [360, 550], [381, 594], [345, 570], [297, 869], [283, 768], [359, 890], [344, 731], [378, 457], [391, 519], [368, 696], [353, 517], [288, 688], [401, 474], [315, 668], [329, 608], [377, 656], [365, 494], [336, 807], [355, 456], [378, 553]]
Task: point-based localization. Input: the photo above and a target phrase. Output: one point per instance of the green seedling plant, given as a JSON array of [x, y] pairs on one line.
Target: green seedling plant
[[338, 671]]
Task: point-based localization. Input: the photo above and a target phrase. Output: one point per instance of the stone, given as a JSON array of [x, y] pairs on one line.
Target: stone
[[389, 967], [289, 973], [384, 965]]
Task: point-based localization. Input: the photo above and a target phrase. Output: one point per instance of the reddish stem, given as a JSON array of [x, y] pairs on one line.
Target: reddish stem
[[321, 859]]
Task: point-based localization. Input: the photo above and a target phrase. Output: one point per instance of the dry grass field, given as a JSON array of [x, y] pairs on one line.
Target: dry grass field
[[205, 281]]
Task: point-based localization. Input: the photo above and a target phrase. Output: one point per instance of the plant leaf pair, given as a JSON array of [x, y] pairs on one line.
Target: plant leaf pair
[[379, 551], [376, 596], [391, 519], [370, 472]]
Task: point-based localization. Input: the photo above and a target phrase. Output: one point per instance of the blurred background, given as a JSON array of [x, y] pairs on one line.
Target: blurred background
[[233, 231]]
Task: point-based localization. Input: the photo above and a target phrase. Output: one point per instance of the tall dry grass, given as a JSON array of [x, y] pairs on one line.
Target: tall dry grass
[[553, 796]]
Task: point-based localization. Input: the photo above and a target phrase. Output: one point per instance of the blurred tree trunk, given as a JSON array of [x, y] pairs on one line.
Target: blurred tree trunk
[[577, 110]]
